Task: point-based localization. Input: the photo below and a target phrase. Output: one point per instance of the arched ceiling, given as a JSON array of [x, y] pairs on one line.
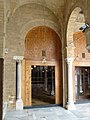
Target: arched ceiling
[[57, 10], [56, 6], [60, 8]]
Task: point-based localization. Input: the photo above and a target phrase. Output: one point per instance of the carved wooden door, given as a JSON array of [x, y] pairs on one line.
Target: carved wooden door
[[26, 83]]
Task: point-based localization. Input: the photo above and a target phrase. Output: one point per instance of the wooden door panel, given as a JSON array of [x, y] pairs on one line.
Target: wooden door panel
[[26, 83], [23, 81], [27, 86]]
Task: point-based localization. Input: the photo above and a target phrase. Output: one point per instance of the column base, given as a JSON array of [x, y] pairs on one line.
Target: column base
[[19, 104], [70, 107], [5, 108], [52, 92], [46, 89]]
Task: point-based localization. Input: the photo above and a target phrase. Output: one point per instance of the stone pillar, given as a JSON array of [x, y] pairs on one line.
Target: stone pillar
[[81, 91], [19, 102], [70, 103]]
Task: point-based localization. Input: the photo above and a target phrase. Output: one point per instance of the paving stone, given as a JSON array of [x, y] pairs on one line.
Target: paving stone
[[50, 113]]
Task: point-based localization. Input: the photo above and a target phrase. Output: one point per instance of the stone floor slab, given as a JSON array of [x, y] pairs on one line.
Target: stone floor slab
[[51, 113]]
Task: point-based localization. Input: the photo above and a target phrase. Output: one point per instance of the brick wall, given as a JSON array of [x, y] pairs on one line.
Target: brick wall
[[81, 53]]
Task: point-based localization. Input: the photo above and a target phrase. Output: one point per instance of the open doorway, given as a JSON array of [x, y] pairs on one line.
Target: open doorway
[[82, 83], [39, 56], [43, 85]]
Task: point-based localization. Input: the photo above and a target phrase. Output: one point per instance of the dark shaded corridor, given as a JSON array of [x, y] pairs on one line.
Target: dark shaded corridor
[[43, 85]]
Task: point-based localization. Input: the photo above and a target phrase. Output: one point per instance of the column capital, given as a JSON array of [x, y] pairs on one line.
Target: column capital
[[69, 60], [18, 58]]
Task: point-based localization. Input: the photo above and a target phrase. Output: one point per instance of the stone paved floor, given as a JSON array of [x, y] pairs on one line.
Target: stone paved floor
[[82, 112]]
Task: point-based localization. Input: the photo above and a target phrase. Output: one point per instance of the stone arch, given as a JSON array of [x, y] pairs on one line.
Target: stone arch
[[74, 24], [23, 2], [30, 25], [36, 23], [27, 21], [72, 27], [34, 13], [20, 23]]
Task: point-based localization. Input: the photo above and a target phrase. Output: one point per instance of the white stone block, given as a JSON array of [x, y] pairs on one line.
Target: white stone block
[[19, 104]]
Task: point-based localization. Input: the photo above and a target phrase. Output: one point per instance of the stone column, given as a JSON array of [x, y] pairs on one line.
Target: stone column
[[70, 103], [19, 102], [81, 91]]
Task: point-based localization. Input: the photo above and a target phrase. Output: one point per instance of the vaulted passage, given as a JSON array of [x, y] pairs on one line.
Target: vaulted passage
[[42, 68]]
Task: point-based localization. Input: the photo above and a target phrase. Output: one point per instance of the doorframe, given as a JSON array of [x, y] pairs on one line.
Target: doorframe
[[58, 80], [78, 82]]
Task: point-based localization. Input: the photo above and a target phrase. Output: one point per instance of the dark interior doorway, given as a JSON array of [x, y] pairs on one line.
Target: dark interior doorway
[[82, 84], [43, 85]]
